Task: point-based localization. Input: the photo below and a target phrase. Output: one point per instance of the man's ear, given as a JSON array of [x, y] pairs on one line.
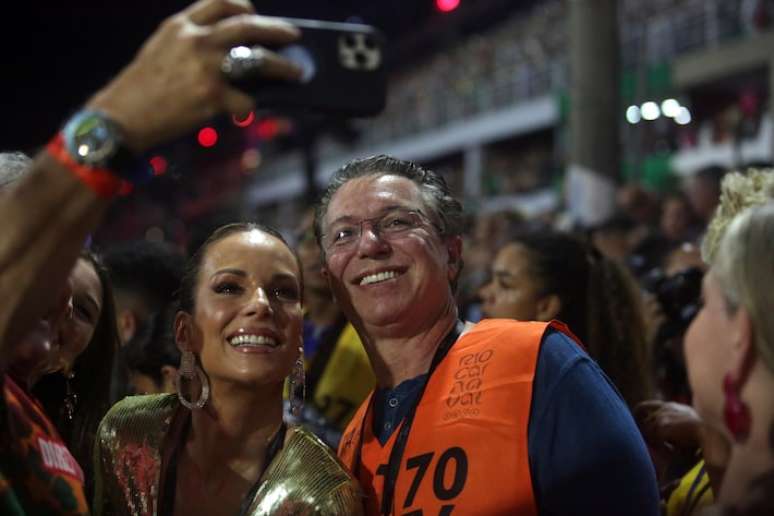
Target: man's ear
[[127, 325], [548, 307], [168, 374], [454, 252], [743, 355]]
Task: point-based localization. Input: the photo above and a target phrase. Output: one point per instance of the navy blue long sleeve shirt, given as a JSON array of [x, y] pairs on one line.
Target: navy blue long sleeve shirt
[[586, 454]]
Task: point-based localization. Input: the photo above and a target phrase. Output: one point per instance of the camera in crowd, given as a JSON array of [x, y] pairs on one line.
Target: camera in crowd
[[679, 297]]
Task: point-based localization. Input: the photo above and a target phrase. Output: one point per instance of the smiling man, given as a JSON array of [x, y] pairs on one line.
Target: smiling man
[[499, 417]]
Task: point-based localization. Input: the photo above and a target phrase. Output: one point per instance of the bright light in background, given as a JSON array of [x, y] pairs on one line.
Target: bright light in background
[[207, 137], [446, 6], [267, 129], [251, 158], [650, 110], [244, 122], [159, 165], [670, 108], [633, 114], [683, 117]]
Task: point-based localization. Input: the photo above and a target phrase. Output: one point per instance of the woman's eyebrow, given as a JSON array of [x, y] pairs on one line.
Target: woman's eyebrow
[[91, 300], [502, 273], [235, 272]]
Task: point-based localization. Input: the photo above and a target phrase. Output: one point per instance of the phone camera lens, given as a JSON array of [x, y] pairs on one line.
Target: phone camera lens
[[369, 43], [361, 58], [350, 40]]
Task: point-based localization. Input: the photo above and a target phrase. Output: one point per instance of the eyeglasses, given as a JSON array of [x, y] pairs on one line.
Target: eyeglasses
[[344, 235]]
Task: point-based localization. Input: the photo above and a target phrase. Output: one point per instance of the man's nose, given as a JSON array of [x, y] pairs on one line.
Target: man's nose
[[371, 242]]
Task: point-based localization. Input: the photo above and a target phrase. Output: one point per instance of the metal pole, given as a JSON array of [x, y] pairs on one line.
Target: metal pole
[[594, 110]]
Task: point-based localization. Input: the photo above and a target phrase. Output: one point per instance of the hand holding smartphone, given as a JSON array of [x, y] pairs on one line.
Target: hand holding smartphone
[[343, 71]]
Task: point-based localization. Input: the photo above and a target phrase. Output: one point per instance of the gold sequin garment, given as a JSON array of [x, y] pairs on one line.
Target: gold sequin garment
[[304, 478]]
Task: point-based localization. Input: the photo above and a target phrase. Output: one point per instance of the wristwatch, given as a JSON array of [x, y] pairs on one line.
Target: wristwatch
[[95, 141]]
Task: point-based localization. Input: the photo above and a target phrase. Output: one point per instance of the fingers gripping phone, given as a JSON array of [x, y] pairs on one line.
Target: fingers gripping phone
[[343, 71]]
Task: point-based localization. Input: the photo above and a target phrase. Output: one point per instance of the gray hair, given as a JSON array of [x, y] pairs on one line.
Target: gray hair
[[744, 269], [443, 207], [13, 165]]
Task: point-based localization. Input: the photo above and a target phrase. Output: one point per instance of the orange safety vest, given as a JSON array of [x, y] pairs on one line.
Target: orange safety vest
[[467, 450]]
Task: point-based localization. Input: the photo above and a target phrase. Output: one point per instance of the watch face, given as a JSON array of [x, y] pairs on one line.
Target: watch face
[[91, 139]]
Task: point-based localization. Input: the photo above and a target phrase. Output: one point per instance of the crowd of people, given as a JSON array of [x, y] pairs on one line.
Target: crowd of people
[[384, 359]]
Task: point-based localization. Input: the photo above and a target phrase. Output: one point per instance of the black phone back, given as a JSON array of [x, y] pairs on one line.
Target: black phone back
[[344, 72]]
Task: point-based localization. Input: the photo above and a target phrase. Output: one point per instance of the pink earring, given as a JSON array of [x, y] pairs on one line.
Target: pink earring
[[735, 411]]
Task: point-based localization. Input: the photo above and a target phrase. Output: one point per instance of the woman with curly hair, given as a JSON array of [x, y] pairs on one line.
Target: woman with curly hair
[[545, 276]]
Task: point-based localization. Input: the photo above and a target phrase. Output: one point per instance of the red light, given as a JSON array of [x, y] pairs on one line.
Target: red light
[[208, 137], [126, 188], [159, 165], [267, 128], [446, 6], [245, 121]]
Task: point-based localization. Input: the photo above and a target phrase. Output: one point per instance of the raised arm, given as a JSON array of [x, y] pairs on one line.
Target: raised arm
[[174, 83]]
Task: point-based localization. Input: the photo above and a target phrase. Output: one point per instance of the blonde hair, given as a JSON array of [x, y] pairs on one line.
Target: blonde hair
[[738, 192], [744, 267]]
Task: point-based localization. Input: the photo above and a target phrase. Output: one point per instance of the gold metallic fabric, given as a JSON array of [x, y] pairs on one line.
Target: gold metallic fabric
[[304, 478]]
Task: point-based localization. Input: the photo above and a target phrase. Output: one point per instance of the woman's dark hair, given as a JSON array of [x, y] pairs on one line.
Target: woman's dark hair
[[91, 383], [154, 347], [187, 291], [600, 303]]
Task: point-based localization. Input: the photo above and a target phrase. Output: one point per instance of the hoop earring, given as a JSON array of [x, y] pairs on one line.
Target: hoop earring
[[297, 385], [735, 411], [71, 398], [189, 370]]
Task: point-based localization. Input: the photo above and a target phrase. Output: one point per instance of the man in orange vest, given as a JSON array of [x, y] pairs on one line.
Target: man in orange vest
[[499, 417]]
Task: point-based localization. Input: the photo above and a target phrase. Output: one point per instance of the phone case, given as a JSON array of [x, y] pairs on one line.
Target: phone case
[[343, 71]]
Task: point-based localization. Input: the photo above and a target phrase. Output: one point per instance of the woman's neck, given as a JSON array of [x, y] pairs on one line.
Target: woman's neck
[[235, 427]]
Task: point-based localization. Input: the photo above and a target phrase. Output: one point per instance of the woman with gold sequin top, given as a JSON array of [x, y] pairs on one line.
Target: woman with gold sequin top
[[219, 446]]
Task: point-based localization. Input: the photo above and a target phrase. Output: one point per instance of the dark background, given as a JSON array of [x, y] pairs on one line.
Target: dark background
[[55, 54]]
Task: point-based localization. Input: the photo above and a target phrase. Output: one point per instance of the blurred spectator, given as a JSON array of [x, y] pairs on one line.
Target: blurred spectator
[[681, 258], [546, 276], [639, 204], [673, 433], [76, 396], [677, 220], [740, 191], [730, 348], [338, 372], [615, 238], [735, 289], [145, 277], [152, 356], [489, 232], [704, 192], [74, 390], [673, 302]]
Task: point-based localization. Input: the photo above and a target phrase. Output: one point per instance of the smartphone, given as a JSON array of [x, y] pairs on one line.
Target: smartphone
[[343, 71]]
